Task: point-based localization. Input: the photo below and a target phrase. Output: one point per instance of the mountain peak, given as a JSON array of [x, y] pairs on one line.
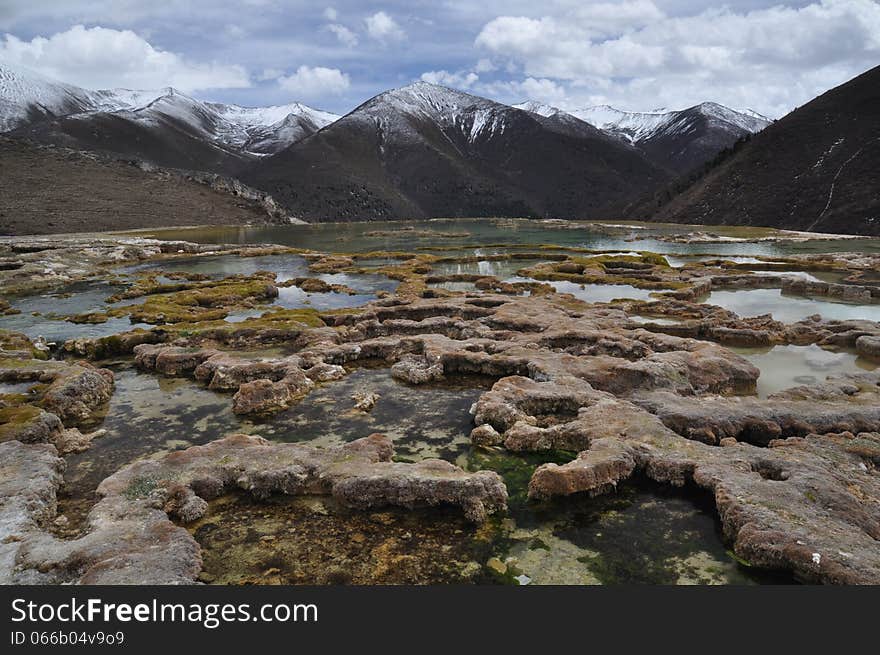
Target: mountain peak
[[748, 121], [421, 97]]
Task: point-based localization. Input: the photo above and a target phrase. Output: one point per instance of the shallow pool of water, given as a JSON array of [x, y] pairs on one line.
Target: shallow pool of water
[[90, 296], [789, 309], [146, 415], [423, 421], [353, 237], [312, 540], [592, 292], [641, 534], [783, 367], [78, 298], [285, 267], [657, 320], [638, 535], [15, 387]]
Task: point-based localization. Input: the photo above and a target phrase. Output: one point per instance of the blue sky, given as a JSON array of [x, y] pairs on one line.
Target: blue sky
[[633, 54]]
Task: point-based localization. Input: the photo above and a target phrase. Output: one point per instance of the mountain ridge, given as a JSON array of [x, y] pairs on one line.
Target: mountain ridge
[[816, 169], [425, 150], [46, 111], [679, 140]]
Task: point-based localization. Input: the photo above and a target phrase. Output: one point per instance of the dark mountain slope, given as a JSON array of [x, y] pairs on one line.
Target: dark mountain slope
[[817, 169], [429, 151], [51, 190], [162, 137], [696, 135]]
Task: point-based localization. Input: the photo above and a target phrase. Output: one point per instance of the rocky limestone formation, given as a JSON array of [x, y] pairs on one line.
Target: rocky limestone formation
[[868, 346], [76, 394], [849, 403], [30, 475], [130, 538], [806, 504], [64, 396], [793, 476]]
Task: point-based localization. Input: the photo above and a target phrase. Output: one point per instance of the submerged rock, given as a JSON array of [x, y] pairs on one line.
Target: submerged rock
[[365, 400]]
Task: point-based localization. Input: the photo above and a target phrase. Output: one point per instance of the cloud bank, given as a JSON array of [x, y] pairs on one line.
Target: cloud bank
[[99, 57]]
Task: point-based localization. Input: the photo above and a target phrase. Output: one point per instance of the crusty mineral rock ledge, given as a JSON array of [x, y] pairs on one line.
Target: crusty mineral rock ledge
[[847, 403], [585, 378], [424, 340], [30, 263], [69, 394], [30, 474], [810, 505], [132, 540], [702, 321]]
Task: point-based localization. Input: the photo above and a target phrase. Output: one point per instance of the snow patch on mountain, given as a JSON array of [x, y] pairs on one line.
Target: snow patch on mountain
[[633, 126], [273, 115], [748, 120], [639, 126], [24, 93], [539, 108], [474, 117]]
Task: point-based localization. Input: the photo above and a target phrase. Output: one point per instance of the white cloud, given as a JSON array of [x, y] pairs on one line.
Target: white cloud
[[98, 57], [460, 80], [538, 89], [314, 82], [270, 74], [331, 14], [631, 53], [383, 27], [346, 36], [485, 66]]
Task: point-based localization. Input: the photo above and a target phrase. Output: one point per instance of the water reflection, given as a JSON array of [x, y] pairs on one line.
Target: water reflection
[[783, 367], [789, 309], [592, 292], [352, 237]]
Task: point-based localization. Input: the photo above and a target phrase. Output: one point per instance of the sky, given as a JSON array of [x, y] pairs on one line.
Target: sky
[[641, 55]]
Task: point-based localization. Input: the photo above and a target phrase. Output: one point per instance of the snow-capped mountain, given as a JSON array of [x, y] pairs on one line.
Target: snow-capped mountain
[[26, 96], [639, 126], [265, 130], [679, 140], [53, 111], [427, 150], [403, 109], [249, 130]]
